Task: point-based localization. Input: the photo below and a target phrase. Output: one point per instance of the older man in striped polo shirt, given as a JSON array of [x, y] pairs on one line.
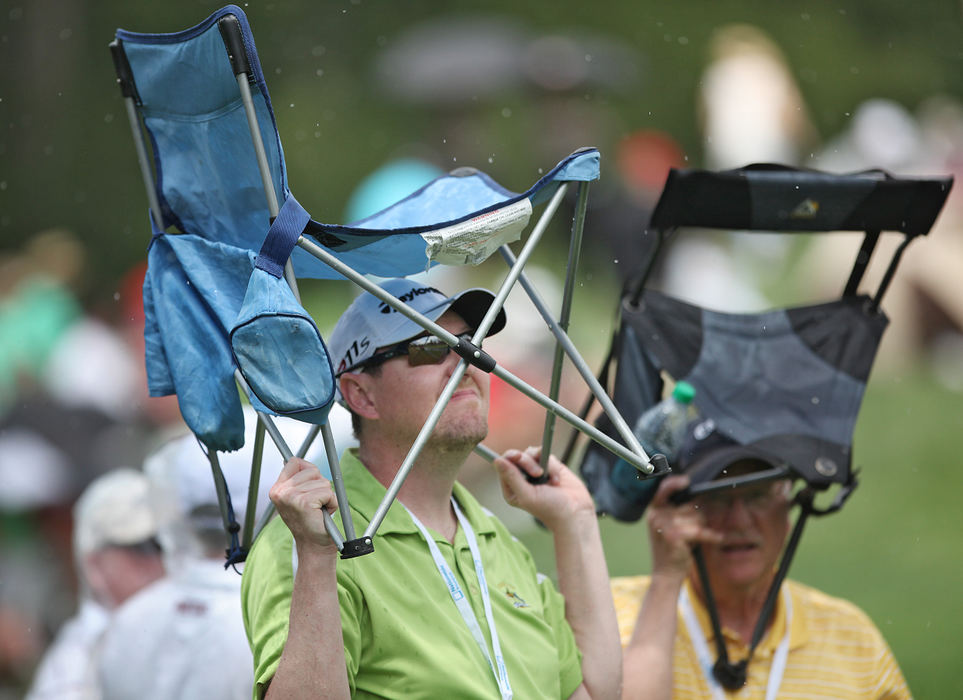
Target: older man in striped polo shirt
[[812, 645]]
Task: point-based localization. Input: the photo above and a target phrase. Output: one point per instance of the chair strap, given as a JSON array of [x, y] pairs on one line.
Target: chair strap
[[890, 271], [283, 236], [235, 553], [861, 263], [732, 676]]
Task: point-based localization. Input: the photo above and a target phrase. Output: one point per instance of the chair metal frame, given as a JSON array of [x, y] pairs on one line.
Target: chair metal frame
[[238, 43], [771, 198]]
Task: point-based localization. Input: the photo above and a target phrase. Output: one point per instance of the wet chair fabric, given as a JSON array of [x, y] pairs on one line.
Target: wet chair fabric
[[224, 321], [210, 221]]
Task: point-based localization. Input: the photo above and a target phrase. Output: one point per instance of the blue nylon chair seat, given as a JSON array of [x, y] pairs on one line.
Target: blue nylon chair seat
[[209, 188], [192, 293], [207, 178], [279, 350]]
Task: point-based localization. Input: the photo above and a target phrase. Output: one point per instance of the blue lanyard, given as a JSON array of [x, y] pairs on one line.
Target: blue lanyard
[[497, 665]]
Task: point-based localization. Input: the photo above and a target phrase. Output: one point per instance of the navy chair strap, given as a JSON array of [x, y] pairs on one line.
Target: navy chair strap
[[283, 236]]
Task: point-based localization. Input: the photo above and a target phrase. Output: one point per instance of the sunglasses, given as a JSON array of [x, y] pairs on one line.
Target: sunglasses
[[427, 350]]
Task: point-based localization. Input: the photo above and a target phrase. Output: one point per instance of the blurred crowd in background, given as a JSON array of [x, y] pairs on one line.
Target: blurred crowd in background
[[73, 402], [73, 406]]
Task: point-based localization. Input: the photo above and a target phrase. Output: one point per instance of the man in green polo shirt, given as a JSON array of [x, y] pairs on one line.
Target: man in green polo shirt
[[449, 605]]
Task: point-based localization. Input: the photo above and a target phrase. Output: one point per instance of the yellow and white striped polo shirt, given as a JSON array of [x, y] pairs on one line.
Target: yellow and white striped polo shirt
[[835, 650]]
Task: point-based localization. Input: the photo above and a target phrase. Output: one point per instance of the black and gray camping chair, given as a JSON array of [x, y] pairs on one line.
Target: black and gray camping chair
[[788, 382]]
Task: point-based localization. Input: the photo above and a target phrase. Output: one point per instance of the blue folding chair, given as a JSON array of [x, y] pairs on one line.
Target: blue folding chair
[[230, 241]]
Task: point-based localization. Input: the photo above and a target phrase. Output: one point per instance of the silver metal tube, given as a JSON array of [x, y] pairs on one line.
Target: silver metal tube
[[265, 423], [623, 429], [264, 519], [326, 257], [308, 440], [259, 152], [254, 482], [291, 279], [416, 448], [334, 466], [264, 168], [286, 454], [486, 453], [565, 414], [270, 510], [527, 250], [272, 430], [575, 245], [142, 160]]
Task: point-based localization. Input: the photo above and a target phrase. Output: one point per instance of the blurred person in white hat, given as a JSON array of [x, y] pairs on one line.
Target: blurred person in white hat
[[117, 554], [183, 637]]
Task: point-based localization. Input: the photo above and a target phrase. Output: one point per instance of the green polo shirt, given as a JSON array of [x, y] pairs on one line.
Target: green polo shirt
[[403, 635]]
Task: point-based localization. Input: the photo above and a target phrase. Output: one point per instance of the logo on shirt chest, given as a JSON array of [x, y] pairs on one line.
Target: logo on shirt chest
[[508, 590]]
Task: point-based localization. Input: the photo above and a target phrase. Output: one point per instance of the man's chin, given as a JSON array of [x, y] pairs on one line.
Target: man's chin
[[462, 437]]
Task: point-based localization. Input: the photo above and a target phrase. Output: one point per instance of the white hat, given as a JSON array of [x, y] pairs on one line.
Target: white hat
[[183, 484], [48, 481], [114, 510], [369, 323], [183, 494]]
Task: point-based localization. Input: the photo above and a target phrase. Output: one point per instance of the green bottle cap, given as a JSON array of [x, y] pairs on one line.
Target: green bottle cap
[[683, 392]]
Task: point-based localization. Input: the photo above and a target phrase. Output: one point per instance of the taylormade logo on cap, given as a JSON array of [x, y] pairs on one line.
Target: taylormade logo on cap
[[370, 323], [415, 292]]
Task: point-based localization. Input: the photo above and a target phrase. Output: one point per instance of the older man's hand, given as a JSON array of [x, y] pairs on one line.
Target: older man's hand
[[675, 529]]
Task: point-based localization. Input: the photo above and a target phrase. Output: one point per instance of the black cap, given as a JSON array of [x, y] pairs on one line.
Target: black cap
[[707, 453]]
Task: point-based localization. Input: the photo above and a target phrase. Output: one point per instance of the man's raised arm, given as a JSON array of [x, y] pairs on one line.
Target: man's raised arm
[[565, 507], [312, 664]]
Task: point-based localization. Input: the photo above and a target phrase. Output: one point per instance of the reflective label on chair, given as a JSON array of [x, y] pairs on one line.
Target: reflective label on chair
[[471, 242]]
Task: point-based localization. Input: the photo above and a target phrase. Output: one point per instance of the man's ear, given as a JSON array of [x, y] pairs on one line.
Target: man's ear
[[356, 390]]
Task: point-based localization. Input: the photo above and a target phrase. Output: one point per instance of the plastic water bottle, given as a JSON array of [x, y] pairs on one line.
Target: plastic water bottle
[[662, 430]]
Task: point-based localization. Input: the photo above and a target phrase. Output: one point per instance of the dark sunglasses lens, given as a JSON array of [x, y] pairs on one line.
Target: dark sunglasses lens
[[430, 352]]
